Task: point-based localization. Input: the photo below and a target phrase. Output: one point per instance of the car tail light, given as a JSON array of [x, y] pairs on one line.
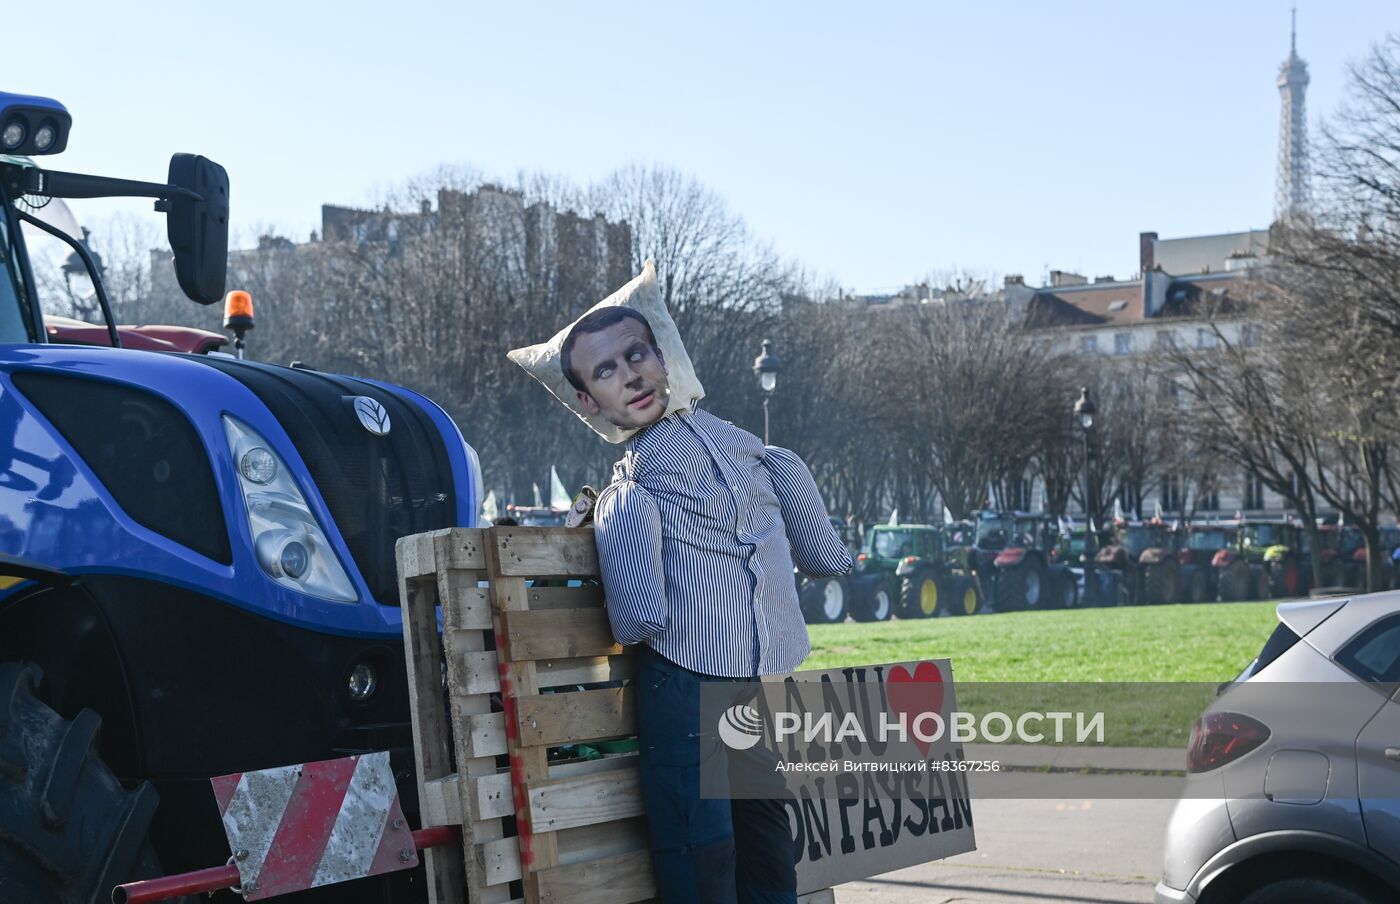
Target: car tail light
[[862, 557], [910, 560], [1220, 738]]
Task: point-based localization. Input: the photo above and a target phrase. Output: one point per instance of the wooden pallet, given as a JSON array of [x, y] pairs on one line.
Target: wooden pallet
[[538, 830]]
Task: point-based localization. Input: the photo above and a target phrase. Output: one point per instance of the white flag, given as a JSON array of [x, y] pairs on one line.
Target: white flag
[[947, 515], [490, 509], [1118, 510], [539, 503], [559, 498], [894, 517]]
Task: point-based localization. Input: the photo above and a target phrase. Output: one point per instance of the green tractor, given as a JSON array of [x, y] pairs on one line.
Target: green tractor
[[905, 569], [1277, 549]]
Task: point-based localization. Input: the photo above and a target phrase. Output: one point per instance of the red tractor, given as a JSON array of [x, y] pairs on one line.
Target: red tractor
[[1012, 557], [1151, 565], [1216, 547]]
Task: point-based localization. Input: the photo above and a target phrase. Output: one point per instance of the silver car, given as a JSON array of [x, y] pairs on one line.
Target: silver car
[[1293, 792]]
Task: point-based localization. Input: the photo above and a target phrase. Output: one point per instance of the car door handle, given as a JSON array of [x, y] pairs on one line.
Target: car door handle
[[1393, 753]]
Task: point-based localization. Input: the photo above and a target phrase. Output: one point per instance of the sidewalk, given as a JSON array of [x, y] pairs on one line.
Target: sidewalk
[[1167, 760]]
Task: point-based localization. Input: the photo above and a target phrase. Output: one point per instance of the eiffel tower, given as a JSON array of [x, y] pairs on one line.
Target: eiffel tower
[[1292, 195]]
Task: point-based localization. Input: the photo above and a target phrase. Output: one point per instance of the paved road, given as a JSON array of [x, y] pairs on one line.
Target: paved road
[[1057, 851]]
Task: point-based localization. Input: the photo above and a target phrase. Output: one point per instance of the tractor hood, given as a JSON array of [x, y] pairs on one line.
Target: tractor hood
[[88, 488]]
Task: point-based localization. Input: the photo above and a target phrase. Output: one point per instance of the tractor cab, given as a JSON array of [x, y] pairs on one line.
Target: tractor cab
[[1207, 539], [995, 531]]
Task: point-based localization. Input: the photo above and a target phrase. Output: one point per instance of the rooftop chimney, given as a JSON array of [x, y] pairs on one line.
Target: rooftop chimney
[[1147, 251], [426, 207], [1065, 278], [1015, 279]]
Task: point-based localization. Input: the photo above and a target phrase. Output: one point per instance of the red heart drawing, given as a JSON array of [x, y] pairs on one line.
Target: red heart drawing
[[916, 694]]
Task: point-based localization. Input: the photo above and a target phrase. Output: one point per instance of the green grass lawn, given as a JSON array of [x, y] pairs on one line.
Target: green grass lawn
[[1202, 642], [1183, 650]]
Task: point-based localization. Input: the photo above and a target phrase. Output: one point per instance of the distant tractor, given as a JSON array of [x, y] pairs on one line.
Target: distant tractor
[[1344, 556], [1276, 549], [1146, 554], [905, 569], [1011, 557], [825, 601], [1232, 574], [1336, 550]]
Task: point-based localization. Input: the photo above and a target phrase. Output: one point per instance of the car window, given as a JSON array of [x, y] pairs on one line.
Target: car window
[[1279, 642], [1375, 654]]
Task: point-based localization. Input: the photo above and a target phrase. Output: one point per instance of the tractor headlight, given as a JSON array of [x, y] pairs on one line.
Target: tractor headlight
[[289, 543], [258, 465], [45, 137], [363, 682], [13, 135]]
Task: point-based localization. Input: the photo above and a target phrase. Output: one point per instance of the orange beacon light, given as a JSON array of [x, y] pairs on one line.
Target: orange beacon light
[[238, 316]]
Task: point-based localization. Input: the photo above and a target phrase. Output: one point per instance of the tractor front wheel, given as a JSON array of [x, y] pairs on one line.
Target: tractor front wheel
[[1069, 590], [875, 602], [1162, 583], [962, 597], [1200, 586], [825, 601], [1235, 581], [919, 594], [1021, 587], [71, 831]]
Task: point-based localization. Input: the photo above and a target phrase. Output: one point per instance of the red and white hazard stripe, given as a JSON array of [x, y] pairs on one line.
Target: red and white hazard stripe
[[298, 827]]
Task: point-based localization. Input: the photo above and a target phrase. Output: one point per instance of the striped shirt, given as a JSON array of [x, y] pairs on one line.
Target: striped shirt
[[697, 536]]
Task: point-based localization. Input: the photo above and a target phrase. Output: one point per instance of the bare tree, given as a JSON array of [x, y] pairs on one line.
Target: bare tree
[[1336, 290], [964, 389]]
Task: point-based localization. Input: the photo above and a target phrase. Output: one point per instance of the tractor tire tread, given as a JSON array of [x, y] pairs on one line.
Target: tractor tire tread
[[69, 830]]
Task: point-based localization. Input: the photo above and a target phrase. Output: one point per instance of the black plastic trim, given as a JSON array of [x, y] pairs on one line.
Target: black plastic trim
[[1294, 841]]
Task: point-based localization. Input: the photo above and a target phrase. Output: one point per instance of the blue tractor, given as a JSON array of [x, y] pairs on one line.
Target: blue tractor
[[196, 556]]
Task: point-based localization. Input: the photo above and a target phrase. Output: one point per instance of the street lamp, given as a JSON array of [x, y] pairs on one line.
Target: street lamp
[[766, 367], [1084, 412]]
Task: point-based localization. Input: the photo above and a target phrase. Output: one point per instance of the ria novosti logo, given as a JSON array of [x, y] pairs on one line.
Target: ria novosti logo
[[740, 726]]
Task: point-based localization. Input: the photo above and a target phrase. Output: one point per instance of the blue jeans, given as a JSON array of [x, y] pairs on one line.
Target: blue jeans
[[711, 851]]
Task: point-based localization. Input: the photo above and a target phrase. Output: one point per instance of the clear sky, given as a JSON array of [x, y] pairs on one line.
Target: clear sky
[[874, 142]]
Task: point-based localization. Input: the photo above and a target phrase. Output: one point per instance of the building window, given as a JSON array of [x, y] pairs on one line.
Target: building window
[[1208, 497], [1088, 345], [1123, 344], [1250, 334], [1253, 491], [1166, 340], [1171, 494], [1021, 495], [1206, 338]]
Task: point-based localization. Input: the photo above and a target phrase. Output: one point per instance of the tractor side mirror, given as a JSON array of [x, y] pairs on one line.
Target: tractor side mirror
[[198, 229]]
